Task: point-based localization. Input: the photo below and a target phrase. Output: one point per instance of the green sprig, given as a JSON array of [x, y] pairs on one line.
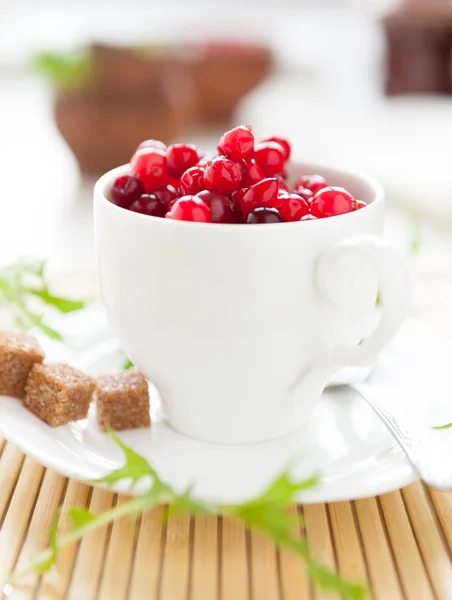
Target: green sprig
[[23, 286], [71, 70], [268, 513]]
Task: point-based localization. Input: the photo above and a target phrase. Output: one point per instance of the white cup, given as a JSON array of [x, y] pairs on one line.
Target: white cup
[[240, 327]]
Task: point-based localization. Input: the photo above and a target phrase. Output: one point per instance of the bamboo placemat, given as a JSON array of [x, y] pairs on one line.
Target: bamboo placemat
[[399, 543]]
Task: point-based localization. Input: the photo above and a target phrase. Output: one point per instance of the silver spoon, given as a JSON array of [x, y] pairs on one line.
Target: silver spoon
[[428, 450]]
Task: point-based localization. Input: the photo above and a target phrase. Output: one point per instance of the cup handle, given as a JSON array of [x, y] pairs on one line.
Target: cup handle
[[394, 286]]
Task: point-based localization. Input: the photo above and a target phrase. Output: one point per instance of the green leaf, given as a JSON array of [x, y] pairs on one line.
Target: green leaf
[[35, 267], [53, 540], [35, 320], [128, 365], [64, 71], [80, 517], [64, 305], [328, 580], [23, 280], [135, 468], [284, 490], [186, 502], [416, 234], [447, 426]]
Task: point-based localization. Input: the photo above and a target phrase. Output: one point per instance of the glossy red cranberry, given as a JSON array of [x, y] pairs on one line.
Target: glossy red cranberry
[[360, 204], [192, 181], [150, 165], [223, 175], [190, 208], [167, 195], [282, 183], [308, 218], [331, 201], [253, 173], [125, 190], [312, 182], [220, 205], [149, 204], [282, 142], [270, 158], [237, 143], [291, 207], [152, 144], [261, 194], [304, 193], [263, 215], [180, 157]]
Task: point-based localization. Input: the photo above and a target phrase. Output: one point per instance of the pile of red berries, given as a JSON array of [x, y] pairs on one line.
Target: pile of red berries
[[245, 183]]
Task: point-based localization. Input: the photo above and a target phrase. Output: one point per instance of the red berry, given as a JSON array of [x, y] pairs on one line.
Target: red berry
[[149, 204], [314, 183], [331, 201], [167, 195], [263, 215], [223, 175], [152, 144], [237, 198], [308, 218], [180, 157], [282, 142], [292, 207], [304, 193], [150, 165], [282, 183], [261, 194], [192, 181], [253, 174], [220, 205], [270, 158], [190, 208], [360, 204], [125, 190], [237, 143]]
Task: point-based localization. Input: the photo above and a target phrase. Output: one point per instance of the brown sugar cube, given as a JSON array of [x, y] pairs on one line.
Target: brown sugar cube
[[123, 401], [58, 394], [19, 351]]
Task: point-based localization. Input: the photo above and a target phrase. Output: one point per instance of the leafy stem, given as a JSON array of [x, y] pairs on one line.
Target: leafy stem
[[64, 71], [446, 426], [24, 289], [267, 513]]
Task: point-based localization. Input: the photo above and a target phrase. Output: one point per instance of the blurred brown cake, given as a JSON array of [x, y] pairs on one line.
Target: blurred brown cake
[[224, 72], [119, 96], [129, 96], [419, 41]]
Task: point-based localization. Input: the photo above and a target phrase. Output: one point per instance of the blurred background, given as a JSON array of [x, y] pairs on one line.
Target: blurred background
[[362, 83]]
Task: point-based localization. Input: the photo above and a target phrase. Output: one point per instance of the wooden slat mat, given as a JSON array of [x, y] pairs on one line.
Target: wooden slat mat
[[400, 544]]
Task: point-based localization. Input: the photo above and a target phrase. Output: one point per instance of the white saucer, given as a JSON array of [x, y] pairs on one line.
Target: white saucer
[[345, 442]]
